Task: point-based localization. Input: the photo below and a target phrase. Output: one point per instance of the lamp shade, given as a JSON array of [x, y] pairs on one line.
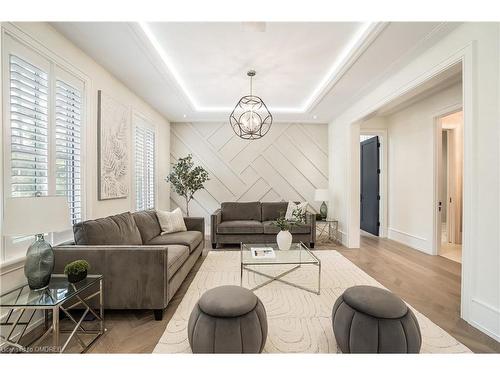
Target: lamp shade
[[321, 195], [35, 215]]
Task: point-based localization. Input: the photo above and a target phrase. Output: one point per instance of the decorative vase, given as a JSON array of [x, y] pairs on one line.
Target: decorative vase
[[284, 240], [323, 210], [39, 263], [76, 277]]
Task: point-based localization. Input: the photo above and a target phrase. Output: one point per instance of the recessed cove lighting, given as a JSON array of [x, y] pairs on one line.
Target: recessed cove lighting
[[363, 34]]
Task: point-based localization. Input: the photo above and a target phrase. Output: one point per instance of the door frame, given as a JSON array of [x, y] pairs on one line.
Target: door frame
[[382, 154], [465, 56], [437, 135]]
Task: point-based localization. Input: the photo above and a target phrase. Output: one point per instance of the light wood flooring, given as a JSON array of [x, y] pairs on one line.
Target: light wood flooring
[[429, 283]]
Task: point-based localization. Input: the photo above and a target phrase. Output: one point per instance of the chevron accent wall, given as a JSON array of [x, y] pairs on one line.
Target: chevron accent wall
[[288, 163]]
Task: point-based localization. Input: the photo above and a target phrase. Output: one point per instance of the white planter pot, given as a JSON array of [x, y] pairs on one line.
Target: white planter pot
[[284, 240]]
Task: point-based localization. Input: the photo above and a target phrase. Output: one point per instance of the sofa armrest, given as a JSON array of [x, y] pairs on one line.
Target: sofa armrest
[[215, 220], [135, 277], [311, 220], [195, 223]]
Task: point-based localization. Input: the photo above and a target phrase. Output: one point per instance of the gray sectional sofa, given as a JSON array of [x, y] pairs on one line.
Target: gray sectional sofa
[[142, 268], [252, 222]]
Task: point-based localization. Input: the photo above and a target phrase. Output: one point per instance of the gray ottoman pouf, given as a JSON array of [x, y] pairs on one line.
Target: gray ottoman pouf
[[367, 319], [228, 319]]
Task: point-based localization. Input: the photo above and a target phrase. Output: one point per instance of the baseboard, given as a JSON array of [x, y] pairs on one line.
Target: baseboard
[[485, 318], [411, 240]]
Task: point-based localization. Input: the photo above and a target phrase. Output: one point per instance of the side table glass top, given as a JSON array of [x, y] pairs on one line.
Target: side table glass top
[[298, 254], [58, 291]]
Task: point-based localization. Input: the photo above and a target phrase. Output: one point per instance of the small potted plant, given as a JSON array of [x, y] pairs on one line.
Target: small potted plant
[[76, 270]]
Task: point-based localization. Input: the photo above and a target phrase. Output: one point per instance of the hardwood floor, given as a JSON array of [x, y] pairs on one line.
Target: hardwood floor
[[429, 283]]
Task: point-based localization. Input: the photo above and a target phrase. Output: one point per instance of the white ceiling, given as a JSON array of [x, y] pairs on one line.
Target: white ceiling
[[291, 59], [197, 71]]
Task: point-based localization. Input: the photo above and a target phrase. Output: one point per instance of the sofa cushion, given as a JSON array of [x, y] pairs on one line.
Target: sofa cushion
[[171, 222], [112, 230], [240, 211], [191, 238], [270, 228], [177, 255], [273, 210], [148, 225], [240, 227]]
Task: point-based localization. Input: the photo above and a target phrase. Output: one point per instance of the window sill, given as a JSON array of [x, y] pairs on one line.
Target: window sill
[[12, 265]]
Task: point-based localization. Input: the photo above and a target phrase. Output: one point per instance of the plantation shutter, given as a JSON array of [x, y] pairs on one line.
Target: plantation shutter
[[144, 167], [29, 136], [68, 108]]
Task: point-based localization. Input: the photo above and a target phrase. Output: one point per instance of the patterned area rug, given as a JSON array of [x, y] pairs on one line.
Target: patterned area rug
[[298, 321]]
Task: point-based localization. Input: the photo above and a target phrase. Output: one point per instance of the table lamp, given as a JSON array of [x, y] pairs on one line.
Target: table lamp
[[322, 195], [36, 216]]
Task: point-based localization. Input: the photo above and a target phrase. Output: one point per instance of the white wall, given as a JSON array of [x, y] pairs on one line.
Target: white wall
[[411, 169], [289, 163], [478, 44], [48, 41]]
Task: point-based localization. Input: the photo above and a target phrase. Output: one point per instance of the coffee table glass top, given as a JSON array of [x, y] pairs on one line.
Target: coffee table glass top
[[58, 291], [298, 254]]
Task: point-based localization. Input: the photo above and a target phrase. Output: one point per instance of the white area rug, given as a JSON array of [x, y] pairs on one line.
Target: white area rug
[[298, 321]]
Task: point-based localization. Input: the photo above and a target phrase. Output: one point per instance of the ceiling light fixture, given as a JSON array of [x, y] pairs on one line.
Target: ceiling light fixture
[[250, 118]]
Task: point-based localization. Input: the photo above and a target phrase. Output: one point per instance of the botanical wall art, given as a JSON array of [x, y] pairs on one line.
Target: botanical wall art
[[113, 142]]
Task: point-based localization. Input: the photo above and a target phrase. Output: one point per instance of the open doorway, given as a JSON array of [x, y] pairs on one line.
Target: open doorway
[[450, 186]]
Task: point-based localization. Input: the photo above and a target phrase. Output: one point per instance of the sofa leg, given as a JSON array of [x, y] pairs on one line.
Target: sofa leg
[[214, 246], [158, 314], [311, 245]]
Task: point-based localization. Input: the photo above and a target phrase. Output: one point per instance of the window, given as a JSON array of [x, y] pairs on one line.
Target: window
[[144, 141], [68, 129], [43, 133], [29, 138]]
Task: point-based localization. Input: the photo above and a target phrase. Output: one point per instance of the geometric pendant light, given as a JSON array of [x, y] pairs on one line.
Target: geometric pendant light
[[250, 118]]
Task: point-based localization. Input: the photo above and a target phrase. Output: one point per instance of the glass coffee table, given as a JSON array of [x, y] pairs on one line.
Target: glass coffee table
[[299, 255]]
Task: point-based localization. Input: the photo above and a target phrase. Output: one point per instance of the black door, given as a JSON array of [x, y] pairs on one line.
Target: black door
[[370, 185]]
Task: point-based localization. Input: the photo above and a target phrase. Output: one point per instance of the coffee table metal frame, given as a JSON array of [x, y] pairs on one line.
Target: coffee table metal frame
[[75, 291], [269, 262]]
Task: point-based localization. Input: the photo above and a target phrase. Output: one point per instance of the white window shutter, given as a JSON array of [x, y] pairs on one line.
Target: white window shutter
[[144, 167], [68, 108], [29, 138]]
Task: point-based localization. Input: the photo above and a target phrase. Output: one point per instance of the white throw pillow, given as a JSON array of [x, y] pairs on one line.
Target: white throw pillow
[[292, 206], [171, 222]]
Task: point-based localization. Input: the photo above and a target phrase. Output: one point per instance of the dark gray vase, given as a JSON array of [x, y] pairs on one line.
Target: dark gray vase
[[39, 263], [323, 210]]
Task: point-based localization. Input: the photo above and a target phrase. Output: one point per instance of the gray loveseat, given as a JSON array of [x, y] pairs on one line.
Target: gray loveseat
[[142, 269], [252, 222]]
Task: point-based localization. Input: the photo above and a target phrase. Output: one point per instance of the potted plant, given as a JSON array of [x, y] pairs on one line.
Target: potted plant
[[187, 179], [284, 237], [76, 270]]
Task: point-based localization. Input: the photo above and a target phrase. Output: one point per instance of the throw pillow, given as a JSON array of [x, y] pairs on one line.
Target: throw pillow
[[171, 222], [292, 206]]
